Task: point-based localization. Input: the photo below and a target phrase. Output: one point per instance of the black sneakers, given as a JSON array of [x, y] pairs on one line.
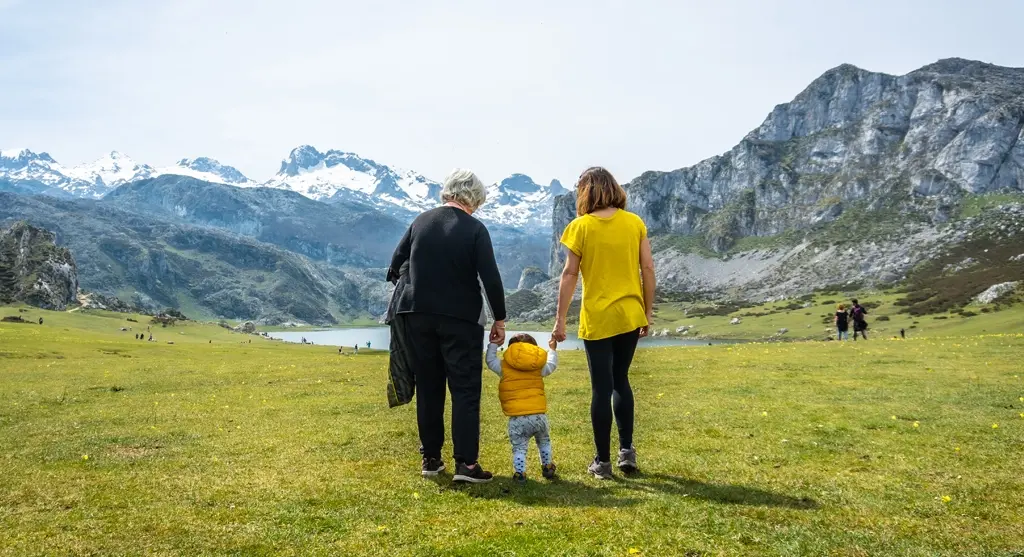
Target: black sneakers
[[432, 466], [475, 475]]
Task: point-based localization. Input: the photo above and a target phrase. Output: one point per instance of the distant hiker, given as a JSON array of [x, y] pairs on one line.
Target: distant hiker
[[40, 320], [436, 326], [842, 321], [339, 350], [151, 338], [355, 348], [903, 333], [609, 247], [521, 390], [367, 345], [860, 324]]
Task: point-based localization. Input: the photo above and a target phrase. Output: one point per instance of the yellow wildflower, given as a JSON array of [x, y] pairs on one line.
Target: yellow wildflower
[[946, 498], [634, 551], [85, 457], [917, 424], [995, 426]]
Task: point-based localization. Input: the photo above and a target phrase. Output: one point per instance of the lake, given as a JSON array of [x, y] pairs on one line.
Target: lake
[[380, 338]]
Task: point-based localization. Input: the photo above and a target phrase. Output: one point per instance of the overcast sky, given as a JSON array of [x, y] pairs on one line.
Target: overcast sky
[[546, 87]]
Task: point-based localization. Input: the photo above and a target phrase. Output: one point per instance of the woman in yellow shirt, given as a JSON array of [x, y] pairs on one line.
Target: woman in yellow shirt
[[609, 247]]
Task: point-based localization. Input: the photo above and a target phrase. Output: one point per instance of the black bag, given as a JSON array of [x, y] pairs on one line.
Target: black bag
[[401, 378]]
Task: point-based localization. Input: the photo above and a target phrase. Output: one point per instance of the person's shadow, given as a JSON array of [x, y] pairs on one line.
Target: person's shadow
[[563, 493], [718, 493]]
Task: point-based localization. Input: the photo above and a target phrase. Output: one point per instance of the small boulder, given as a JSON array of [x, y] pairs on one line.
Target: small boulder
[[995, 291], [783, 331], [735, 321]]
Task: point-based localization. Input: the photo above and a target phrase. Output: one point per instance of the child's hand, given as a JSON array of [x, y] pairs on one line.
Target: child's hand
[[552, 344]]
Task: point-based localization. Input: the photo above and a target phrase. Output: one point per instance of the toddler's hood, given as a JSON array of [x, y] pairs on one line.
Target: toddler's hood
[[526, 357]]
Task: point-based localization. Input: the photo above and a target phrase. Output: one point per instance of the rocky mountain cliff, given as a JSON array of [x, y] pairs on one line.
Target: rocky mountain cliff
[[853, 140], [34, 270], [857, 181]]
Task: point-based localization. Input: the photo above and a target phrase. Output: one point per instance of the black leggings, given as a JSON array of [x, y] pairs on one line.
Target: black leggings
[[609, 361]]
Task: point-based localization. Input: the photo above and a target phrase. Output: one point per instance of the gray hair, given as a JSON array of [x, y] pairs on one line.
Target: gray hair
[[464, 188]]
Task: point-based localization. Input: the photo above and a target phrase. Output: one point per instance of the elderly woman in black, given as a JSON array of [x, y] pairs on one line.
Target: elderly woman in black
[[448, 254]]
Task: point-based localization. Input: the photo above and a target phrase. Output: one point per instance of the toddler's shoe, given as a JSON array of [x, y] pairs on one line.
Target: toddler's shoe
[[548, 471], [519, 478], [600, 470]]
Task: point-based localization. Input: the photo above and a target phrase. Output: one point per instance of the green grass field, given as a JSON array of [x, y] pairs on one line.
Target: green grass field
[[114, 446]]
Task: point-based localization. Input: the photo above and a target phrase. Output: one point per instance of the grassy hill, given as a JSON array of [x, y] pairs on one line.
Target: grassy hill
[[215, 445]]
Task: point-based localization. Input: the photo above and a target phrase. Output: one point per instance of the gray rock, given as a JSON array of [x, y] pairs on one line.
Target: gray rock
[[248, 328], [531, 277], [995, 291], [34, 270]]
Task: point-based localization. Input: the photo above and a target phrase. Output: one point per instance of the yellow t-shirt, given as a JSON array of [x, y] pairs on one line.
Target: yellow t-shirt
[[609, 250]]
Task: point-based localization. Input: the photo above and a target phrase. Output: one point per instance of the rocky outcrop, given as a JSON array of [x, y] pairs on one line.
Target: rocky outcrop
[[995, 291], [531, 277], [562, 215], [855, 181], [852, 139], [34, 270]]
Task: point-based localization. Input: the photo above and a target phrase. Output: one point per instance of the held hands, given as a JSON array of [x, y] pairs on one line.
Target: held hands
[[553, 344], [497, 335], [558, 333]]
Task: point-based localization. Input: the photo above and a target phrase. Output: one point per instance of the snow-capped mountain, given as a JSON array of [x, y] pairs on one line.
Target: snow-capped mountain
[[108, 172], [209, 170], [520, 202], [335, 176], [39, 170], [331, 176], [41, 173]]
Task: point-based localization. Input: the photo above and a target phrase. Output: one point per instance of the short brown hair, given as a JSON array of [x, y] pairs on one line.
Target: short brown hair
[[597, 189], [522, 337]]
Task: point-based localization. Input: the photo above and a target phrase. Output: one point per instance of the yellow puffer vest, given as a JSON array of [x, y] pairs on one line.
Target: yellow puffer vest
[[521, 389]]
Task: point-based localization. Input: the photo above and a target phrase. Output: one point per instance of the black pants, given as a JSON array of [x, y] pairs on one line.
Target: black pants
[[446, 350], [609, 361], [861, 329]]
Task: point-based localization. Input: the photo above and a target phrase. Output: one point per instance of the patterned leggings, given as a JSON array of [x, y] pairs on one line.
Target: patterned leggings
[[520, 430]]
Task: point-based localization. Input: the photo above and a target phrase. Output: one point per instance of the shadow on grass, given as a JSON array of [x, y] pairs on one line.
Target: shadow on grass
[[622, 492], [716, 493]]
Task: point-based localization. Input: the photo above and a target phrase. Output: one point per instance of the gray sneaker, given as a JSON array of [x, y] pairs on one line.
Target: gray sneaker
[[600, 470], [627, 460]]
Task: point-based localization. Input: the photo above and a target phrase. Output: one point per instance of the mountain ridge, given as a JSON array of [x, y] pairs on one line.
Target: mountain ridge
[[331, 176]]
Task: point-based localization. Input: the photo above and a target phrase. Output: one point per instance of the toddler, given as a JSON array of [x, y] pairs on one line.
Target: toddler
[[521, 391]]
